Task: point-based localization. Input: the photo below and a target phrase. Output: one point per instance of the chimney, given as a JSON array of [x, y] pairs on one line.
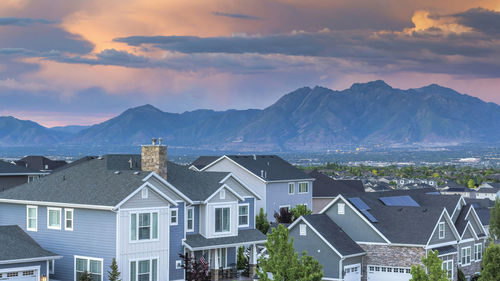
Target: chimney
[[154, 158]]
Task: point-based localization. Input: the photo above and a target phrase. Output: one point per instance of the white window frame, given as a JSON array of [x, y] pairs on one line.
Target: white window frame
[[341, 208], [187, 219], [441, 224], [28, 207], [307, 187], [284, 206], [462, 256], [137, 240], [88, 265], [150, 268], [144, 193], [292, 185], [178, 264], [172, 216], [302, 229], [476, 252], [222, 194], [247, 215], [215, 219], [72, 211], [447, 262], [48, 218]]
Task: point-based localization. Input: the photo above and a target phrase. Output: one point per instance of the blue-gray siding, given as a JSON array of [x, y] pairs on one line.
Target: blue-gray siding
[[94, 236], [251, 213], [277, 195], [176, 248]]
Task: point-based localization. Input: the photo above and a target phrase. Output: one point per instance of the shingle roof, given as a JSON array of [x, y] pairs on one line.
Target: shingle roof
[[461, 222], [484, 215], [273, 167], [489, 190], [8, 168], [334, 234], [324, 186], [246, 236], [40, 163], [203, 161], [445, 250], [17, 245]]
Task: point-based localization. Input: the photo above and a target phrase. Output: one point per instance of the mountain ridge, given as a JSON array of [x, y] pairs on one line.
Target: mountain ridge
[[306, 119]]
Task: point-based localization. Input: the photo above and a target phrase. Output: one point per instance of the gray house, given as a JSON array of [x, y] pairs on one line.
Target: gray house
[[13, 175], [277, 182], [395, 229]]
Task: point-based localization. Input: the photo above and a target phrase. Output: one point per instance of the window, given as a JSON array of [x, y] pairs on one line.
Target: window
[[302, 230], [53, 218], [448, 266], [178, 264], [68, 218], [441, 230], [222, 257], [92, 265], [465, 257], [286, 207], [143, 226], [144, 270], [222, 194], [32, 218], [291, 188], [144, 193], [341, 208], [190, 219], [174, 217], [478, 252], [12, 274], [29, 273], [303, 187], [243, 215], [32, 178], [222, 219]]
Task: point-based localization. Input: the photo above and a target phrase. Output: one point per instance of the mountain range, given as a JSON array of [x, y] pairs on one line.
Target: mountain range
[[307, 119]]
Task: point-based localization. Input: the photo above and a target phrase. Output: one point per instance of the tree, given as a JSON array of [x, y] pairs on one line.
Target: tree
[[491, 262], [300, 210], [433, 270], [261, 222], [460, 275], [470, 183], [85, 276], [195, 270], [495, 221], [114, 274], [242, 260], [284, 216], [284, 262]]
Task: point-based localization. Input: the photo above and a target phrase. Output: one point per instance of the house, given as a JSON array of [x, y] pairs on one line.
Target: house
[[451, 188], [483, 210], [490, 193], [140, 209], [277, 182], [12, 175], [326, 189], [377, 186], [21, 258], [40, 163], [397, 228]]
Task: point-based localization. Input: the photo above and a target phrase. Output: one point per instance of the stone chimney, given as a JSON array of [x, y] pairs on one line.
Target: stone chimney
[[154, 158]]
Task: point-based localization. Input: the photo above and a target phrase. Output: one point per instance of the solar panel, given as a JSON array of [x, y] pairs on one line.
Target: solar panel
[[360, 204], [400, 201], [369, 216]]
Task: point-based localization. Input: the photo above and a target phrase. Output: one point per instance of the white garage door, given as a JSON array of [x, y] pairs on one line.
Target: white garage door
[[352, 272], [19, 274], [384, 273]]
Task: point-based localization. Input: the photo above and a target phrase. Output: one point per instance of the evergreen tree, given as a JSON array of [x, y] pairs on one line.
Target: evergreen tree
[[242, 260], [261, 222], [495, 220], [85, 276], [491, 264], [433, 270], [460, 275], [114, 274], [284, 263]]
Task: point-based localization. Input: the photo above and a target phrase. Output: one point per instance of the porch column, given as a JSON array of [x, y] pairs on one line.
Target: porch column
[[215, 270], [253, 261]]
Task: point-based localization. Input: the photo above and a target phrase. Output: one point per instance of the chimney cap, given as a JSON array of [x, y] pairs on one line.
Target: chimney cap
[[153, 141]]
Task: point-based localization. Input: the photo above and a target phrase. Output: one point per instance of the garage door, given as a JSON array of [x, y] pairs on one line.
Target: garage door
[[19, 274], [352, 272], [384, 273]]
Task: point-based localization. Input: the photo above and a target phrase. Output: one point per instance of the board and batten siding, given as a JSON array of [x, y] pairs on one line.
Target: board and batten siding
[[94, 235]]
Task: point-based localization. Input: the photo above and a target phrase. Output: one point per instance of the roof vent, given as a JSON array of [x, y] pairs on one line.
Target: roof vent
[[136, 173], [254, 157], [117, 172], [262, 173]]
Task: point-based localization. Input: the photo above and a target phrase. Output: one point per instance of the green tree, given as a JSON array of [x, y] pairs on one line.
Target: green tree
[[85, 277], [114, 274], [284, 262], [491, 262], [261, 222], [241, 260], [300, 210], [460, 275], [433, 270], [495, 221], [470, 183]]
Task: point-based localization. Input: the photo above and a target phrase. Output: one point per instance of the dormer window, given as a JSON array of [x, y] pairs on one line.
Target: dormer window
[[222, 220], [222, 194], [441, 230]]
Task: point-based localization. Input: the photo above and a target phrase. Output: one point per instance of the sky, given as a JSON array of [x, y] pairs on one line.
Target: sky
[[82, 62]]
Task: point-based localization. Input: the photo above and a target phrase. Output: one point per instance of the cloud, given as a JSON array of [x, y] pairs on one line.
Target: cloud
[[24, 21], [236, 16], [480, 19]]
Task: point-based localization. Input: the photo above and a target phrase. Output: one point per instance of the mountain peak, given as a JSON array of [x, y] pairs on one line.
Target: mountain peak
[[372, 85]]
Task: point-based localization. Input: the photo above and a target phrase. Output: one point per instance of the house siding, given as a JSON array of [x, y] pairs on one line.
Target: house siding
[[448, 233], [91, 237], [319, 204], [475, 266], [153, 200], [277, 195], [7, 182], [176, 248], [251, 213]]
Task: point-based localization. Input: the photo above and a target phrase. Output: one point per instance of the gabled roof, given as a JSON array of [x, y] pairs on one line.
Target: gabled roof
[[333, 234], [266, 167], [19, 246], [12, 169], [461, 221], [324, 186], [203, 161], [488, 190], [40, 163]]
